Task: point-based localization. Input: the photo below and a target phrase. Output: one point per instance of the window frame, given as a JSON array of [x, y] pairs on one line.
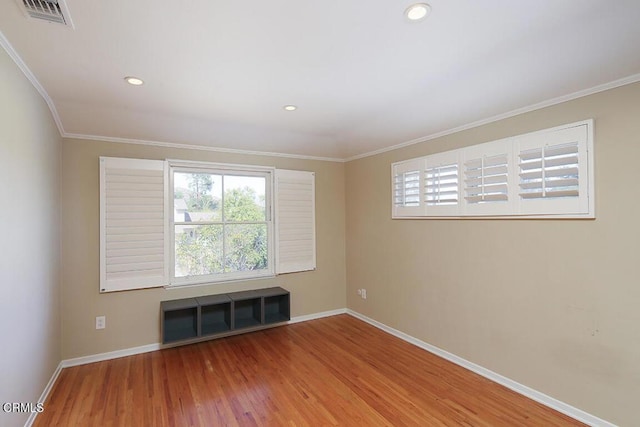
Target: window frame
[[515, 207], [180, 166]]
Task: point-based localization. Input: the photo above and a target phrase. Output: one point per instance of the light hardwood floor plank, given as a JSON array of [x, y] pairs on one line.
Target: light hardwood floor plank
[[331, 371]]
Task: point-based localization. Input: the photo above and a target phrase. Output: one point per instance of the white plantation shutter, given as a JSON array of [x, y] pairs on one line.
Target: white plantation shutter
[[553, 173], [442, 184], [133, 241], [295, 221], [550, 172], [487, 175], [407, 187], [486, 179]]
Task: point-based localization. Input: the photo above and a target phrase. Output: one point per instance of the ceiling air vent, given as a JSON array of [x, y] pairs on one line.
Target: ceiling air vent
[[47, 10]]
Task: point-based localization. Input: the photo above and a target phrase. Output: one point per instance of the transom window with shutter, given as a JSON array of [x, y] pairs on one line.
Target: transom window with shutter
[[554, 173], [549, 172], [407, 188], [441, 185], [486, 179], [542, 174]]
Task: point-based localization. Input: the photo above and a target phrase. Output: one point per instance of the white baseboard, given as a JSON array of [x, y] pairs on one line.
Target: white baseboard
[[45, 393], [110, 355], [532, 394], [320, 315]]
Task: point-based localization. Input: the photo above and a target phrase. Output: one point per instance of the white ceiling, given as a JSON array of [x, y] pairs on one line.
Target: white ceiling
[[217, 73]]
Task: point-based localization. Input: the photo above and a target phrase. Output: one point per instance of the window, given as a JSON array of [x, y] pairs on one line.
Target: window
[[554, 172], [441, 183], [166, 223], [407, 177], [221, 227], [487, 171], [542, 174]]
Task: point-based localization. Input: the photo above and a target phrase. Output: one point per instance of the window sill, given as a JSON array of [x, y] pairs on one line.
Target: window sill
[[208, 281]]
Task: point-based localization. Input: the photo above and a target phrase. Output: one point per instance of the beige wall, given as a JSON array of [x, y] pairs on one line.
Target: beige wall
[[552, 304], [133, 317], [29, 246]]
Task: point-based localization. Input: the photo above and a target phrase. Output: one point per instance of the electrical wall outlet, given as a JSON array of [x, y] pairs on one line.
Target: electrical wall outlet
[[359, 291], [364, 294], [101, 322]]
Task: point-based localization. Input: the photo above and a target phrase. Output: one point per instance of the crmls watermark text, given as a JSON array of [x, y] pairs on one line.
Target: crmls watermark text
[[22, 407]]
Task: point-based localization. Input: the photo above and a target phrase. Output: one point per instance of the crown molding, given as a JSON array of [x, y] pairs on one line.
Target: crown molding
[[198, 147], [34, 81], [548, 103]]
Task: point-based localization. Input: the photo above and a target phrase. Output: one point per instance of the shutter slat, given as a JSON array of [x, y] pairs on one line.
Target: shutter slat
[[499, 160], [131, 266], [562, 149], [117, 231], [137, 279], [114, 253], [530, 154], [136, 194], [136, 244], [537, 164], [131, 202], [125, 185], [128, 215], [493, 179], [487, 198], [135, 222], [572, 171], [561, 161], [562, 193], [550, 183], [441, 193]]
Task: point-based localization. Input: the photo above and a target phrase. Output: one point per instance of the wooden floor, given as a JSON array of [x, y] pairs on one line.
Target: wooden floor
[[332, 371]]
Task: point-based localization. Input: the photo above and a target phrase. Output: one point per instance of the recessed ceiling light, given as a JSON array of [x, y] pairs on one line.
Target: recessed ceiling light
[[134, 80], [417, 12], [290, 107]]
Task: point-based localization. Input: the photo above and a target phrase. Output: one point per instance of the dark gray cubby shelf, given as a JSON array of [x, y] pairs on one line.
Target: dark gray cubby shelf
[[179, 319], [213, 316]]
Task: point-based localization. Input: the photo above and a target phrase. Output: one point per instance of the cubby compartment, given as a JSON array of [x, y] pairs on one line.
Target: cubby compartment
[[215, 314], [276, 308], [247, 309], [179, 320]]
